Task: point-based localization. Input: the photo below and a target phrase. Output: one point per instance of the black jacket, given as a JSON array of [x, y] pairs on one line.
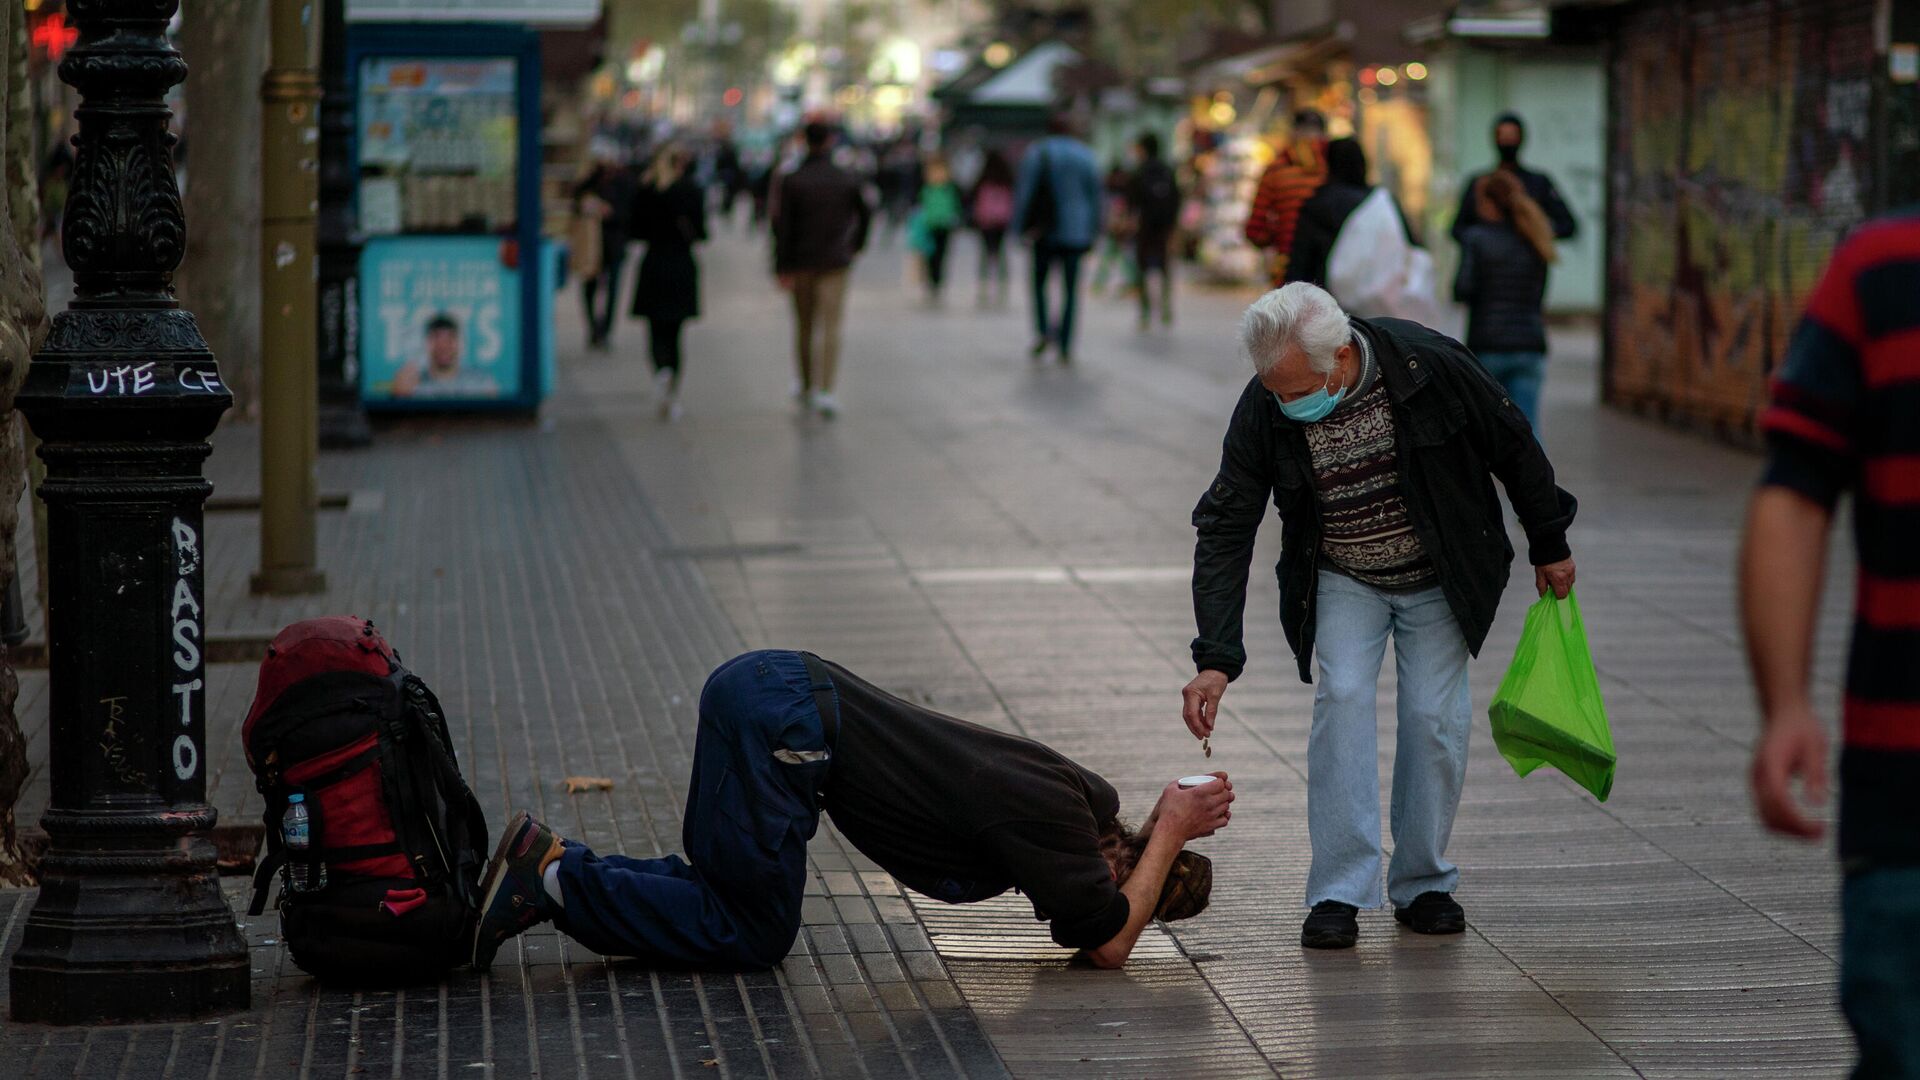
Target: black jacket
[[1539, 188], [1319, 226], [669, 222], [1503, 281], [1455, 430], [820, 217]]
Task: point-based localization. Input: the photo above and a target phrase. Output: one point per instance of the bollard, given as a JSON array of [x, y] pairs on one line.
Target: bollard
[[130, 924]]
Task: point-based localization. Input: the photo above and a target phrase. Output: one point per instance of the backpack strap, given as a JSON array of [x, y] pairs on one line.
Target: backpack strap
[[263, 874]]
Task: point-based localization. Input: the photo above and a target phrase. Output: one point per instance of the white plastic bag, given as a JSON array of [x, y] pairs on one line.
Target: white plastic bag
[[1374, 270]]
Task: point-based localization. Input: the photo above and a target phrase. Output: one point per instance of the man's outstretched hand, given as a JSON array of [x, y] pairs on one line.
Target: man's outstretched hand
[[1191, 813], [1793, 746], [1200, 702]]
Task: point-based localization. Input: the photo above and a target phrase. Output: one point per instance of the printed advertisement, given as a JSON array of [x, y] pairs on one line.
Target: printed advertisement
[[442, 320]]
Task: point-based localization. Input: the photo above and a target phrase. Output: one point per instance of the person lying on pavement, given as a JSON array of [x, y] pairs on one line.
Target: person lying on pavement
[[955, 811]]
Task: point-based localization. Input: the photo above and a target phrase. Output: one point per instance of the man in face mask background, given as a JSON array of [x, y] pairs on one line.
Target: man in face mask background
[[1509, 134], [1378, 440]]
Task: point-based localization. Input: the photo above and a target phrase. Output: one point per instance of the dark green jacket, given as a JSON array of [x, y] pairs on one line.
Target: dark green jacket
[[1454, 430]]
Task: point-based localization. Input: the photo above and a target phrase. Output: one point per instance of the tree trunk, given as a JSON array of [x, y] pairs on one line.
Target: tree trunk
[[23, 323], [225, 44]]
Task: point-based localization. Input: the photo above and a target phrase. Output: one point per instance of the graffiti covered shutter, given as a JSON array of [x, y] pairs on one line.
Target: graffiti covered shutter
[[1740, 155]]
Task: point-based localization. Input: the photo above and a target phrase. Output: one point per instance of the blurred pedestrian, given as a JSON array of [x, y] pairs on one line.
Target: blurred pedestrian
[[1153, 202], [1502, 279], [1114, 247], [1509, 134], [1296, 173], [728, 173], [1846, 417], [669, 217], [602, 211], [1376, 541], [936, 219], [898, 178], [990, 208], [820, 223], [1057, 206], [1318, 224]]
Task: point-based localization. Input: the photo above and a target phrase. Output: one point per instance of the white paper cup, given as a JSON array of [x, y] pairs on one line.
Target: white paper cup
[[1197, 781]]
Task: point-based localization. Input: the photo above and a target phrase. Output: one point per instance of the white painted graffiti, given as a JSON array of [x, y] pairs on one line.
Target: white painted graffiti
[[138, 379], [125, 379], [187, 635], [200, 382]]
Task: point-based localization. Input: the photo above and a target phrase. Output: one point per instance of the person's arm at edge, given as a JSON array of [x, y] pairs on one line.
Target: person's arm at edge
[[1781, 563], [1812, 458]]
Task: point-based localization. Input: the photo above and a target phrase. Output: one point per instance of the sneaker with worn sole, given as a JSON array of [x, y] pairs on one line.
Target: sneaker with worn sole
[[512, 896], [1331, 925], [1432, 913]]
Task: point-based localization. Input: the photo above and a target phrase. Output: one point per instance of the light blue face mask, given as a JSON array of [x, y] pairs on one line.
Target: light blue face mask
[[1310, 407]]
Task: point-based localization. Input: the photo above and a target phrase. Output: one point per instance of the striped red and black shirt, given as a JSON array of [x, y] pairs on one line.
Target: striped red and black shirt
[[1846, 416]]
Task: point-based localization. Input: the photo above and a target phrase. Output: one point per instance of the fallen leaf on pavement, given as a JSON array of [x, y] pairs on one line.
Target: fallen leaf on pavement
[[577, 784]]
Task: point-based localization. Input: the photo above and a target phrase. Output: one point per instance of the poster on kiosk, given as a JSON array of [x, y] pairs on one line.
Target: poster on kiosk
[[456, 283]]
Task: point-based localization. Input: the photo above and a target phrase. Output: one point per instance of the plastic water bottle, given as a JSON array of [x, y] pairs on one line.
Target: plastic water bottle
[[296, 834]]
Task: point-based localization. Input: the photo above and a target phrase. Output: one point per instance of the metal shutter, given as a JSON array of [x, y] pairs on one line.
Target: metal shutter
[[1739, 155]]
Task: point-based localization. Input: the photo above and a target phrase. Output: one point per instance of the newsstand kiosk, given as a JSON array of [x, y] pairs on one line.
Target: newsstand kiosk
[[456, 284]]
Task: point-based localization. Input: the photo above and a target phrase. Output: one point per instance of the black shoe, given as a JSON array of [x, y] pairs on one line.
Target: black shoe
[[1037, 348], [1432, 913], [1331, 926]]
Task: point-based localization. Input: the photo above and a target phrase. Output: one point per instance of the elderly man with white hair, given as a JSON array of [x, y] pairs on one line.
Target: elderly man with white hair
[[1378, 441]]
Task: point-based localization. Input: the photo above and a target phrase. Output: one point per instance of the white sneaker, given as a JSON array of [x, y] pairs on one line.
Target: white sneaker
[[825, 403]]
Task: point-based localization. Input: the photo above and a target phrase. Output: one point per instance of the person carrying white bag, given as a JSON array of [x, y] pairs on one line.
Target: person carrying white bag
[[1353, 241]]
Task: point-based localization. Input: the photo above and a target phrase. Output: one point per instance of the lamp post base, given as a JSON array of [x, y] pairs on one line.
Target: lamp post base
[[130, 925]]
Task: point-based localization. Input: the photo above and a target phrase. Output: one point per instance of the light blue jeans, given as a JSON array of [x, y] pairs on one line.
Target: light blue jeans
[[1521, 373], [1430, 756]]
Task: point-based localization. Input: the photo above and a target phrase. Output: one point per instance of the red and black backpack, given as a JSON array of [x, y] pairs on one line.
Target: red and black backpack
[[338, 719]]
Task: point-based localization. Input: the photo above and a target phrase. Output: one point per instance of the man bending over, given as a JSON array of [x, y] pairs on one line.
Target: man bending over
[[954, 810]]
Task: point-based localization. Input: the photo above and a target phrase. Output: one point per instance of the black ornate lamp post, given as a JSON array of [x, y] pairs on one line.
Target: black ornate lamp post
[[130, 923]]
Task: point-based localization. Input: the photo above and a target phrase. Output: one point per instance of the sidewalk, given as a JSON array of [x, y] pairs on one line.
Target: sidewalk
[[1009, 542]]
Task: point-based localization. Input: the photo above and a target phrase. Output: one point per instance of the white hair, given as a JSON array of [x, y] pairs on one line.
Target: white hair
[[1300, 315]]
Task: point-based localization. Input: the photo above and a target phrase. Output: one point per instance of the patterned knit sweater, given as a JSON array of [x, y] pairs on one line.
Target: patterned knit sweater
[[1365, 531]]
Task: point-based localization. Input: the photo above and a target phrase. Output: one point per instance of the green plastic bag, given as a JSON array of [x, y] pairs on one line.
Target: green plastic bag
[[1548, 709]]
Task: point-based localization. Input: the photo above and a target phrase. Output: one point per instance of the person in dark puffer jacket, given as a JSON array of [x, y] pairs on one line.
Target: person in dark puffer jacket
[[1322, 215], [1503, 281]]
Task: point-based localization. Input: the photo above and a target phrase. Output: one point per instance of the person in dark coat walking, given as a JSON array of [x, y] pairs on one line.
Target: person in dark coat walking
[[669, 216], [1153, 202], [605, 194], [1509, 134], [1326, 211], [1503, 281]]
